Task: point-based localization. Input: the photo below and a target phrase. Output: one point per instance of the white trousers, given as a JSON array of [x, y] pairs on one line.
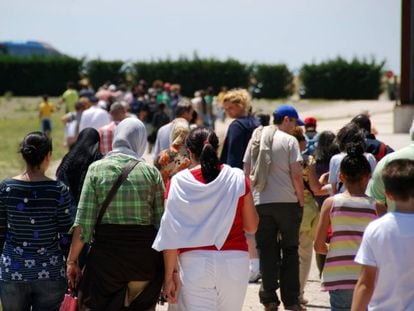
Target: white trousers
[[213, 280]]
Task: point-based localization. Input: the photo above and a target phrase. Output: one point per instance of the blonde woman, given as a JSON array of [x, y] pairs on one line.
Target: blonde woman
[[176, 158], [236, 103]]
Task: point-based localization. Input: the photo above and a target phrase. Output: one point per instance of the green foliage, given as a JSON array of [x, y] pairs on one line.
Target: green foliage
[[275, 81], [195, 74], [339, 79], [37, 75], [100, 72]]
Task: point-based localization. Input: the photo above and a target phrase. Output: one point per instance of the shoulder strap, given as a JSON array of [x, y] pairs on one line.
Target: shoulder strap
[[121, 178]]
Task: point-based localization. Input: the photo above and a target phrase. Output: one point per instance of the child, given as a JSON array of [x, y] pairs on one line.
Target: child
[[348, 213], [386, 253], [46, 109]]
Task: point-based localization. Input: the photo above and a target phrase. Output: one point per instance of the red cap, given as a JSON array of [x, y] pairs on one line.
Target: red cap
[[310, 121]]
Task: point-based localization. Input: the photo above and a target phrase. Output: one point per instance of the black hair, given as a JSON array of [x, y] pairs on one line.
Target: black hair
[[34, 148], [263, 118], [363, 122], [203, 144], [74, 165], [350, 133], [326, 147], [354, 165], [398, 177]]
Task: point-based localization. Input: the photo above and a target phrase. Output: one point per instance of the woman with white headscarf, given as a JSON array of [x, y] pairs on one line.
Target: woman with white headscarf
[[121, 269]]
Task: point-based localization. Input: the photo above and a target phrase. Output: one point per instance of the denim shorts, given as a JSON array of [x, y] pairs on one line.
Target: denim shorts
[[39, 295], [341, 299]]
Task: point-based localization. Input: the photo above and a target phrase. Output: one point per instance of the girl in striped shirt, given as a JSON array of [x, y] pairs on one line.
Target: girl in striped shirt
[[348, 213]]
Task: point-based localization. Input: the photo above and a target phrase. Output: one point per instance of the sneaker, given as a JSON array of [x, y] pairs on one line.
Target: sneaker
[[297, 307], [271, 306], [254, 276]]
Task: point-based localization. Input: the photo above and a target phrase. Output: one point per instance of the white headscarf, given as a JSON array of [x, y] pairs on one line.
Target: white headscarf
[[130, 138]]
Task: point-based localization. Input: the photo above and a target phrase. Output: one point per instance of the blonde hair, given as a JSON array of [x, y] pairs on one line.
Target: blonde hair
[[179, 131], [239, 97]]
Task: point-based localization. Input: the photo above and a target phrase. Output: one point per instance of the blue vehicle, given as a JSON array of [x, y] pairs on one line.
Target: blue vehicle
[[27, 48]]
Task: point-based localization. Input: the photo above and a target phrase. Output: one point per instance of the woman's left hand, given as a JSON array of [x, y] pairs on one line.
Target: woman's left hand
[[171, 287]]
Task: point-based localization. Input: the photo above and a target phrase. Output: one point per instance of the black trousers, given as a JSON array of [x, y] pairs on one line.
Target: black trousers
[[277, 241]]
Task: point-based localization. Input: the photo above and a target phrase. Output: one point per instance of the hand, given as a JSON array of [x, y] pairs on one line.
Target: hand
[[324, 178], [171, 288], [73, 274]]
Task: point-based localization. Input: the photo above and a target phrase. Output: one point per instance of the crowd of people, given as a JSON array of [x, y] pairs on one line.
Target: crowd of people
[[197, 225]]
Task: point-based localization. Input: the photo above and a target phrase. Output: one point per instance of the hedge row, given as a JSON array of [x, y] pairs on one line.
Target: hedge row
[[333, 79], [37, 75], [341, 79]]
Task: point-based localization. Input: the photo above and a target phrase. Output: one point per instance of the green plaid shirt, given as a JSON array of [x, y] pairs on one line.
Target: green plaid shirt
[[139, 200]]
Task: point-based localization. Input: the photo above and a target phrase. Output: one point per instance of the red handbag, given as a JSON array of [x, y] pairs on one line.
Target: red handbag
[[69, 303]]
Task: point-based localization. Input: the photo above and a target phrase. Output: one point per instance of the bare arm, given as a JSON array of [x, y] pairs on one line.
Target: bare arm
[[297, 179], [72, 270], [314, 183], [171, 282], [322, 229], [364, 288], [249, 215]]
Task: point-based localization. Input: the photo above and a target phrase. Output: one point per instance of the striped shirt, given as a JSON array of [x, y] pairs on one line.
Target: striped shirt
[[33, 218], [139, 200], [106, 134], [349, 217]]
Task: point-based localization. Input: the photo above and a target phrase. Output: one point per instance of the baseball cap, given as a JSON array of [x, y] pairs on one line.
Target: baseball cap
[[287, 111], [310, 121]]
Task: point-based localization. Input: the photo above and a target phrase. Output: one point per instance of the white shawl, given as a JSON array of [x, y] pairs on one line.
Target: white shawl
[[198, 214]]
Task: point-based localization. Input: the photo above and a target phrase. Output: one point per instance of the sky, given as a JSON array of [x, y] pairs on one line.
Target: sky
[[293, 32]]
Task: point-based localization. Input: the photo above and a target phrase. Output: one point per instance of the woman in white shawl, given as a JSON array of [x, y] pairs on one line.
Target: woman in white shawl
[[121, 269], [208, 210]]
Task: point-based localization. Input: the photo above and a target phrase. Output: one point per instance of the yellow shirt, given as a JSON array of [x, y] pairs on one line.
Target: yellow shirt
[[46, 110]]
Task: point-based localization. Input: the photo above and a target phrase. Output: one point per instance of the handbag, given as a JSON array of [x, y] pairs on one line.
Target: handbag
[[69, 303]]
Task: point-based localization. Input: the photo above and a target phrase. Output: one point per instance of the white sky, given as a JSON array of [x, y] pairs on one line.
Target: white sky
[[293, 32]]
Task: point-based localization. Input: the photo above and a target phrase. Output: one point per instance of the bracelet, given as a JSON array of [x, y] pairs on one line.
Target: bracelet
[[71, 262]]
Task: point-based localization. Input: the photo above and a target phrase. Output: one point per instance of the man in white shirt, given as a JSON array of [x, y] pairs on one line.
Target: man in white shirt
[[94, 116]]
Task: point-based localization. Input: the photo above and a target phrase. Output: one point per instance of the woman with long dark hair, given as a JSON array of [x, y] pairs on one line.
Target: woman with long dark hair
[[208, 210], [34, 213], [75, 163]]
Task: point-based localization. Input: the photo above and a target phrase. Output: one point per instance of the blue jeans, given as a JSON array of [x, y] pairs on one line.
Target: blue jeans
[[341, 299], [39, 295]]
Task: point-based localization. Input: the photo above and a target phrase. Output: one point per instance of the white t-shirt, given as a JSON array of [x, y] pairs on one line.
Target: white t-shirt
[[388, 244], [94, 117], [335, 164], [279, 186]]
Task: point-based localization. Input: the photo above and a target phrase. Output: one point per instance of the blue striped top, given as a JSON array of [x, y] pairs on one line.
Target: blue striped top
[[33, 218]]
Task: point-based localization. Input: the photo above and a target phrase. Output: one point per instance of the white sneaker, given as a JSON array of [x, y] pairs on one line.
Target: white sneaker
[[254, 276]]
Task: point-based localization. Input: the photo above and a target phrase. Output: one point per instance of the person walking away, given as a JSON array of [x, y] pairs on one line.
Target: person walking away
[[237, 103], [176, 158], [311, 135], [208, 209], [106, 132], [70, 97], [348, 213], [46, 109], [279, 202], [386, 253], [94, 116], [34, 213], [122, 270]]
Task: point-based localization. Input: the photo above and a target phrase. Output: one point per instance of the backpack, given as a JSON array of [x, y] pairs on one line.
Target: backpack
[[311, 142]]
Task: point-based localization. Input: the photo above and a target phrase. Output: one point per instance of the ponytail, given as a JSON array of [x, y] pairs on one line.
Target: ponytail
[[355, 165], [203, 143]]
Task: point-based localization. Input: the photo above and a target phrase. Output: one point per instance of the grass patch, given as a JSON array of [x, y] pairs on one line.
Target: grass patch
[[19, 116]]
